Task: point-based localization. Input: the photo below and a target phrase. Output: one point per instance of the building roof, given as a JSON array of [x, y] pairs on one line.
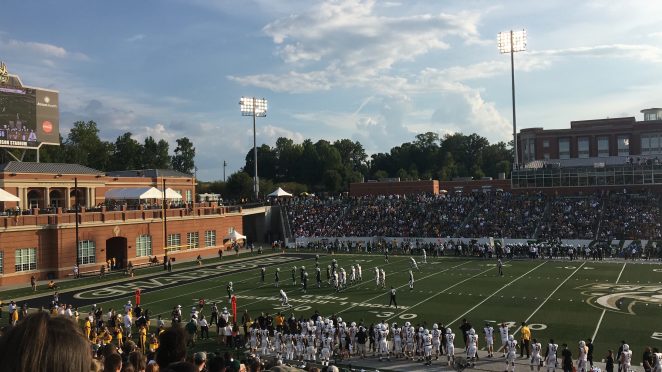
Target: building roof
[[149, 173], [46, 168]]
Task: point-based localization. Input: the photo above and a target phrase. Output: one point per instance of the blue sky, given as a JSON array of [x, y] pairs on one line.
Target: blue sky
[[374, 71]]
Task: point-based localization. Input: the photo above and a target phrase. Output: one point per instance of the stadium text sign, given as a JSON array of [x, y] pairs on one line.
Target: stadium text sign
[[172, 279], [621, 297]]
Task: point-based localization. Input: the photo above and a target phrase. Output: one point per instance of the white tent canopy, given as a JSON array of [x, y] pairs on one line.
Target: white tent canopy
[[134, 193], [234, 235], [7, 197], [279, 192], [171, 194]]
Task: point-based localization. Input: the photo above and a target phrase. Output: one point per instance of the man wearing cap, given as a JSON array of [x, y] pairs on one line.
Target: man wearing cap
[[200, 360]]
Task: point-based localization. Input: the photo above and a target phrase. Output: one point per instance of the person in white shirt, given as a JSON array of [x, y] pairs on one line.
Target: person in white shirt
[[626, 358], [425, 256], [411, 280], [436, 340], [536, 357], [472, 347], [204, 327], [582, 358], [657, 361], [511, 353], [414, 265], [503, 332], [450, 346], [489, 339], [551, 359]]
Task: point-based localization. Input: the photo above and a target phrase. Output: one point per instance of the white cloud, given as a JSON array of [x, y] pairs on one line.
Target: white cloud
[[135, 38], [44, 50], [643, 52]]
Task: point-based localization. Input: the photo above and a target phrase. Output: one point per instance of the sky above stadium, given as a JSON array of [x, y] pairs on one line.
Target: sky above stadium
[[379, 72]]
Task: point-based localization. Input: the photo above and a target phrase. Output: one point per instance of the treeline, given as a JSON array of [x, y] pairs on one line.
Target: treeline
[[83, 146], [326, 166]]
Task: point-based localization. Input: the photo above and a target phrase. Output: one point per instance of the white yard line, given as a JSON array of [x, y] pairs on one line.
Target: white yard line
[[438, 293], [493, 294], [404, 285], [548, 297], [597, 327]]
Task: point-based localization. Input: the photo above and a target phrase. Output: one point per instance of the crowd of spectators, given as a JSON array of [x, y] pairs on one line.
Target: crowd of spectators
[[572, 218], [478, 215], [631, 217], [506, 215]]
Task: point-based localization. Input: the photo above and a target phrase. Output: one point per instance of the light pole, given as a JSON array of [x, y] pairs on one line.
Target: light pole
[[225, 164], [511, 42], [255, 107]]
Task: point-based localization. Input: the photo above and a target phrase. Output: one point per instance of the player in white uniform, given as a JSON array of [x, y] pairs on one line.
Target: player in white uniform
[[377, 277], [382, 278], [336, 282], [283, 299], [358, 273], [326, 349], [450, 346], [397, 341], [511, 353], [436, 341], [414, 265], [264, 342], [472, 347], [427, 347], [626, 358], [536, 357], [411, 280], [383, 345], [657, 361], [425, 256], [489, 339], [278, 345], [253, 340], [352, 275], [311, 351], [409, 340], [551, 359], [582, 357], [503, 331]]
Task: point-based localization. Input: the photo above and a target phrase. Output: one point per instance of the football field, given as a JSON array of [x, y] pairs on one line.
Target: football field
[[560, 299]]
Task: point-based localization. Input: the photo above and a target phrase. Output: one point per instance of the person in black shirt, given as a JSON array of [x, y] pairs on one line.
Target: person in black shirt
[[566, 356], [589, 354], [392, 300], [465, 327], [361, 338], [647, 360], [609, 361]]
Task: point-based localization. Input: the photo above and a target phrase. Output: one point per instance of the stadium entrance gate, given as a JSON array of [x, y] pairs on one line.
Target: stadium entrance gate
[[116, 248]]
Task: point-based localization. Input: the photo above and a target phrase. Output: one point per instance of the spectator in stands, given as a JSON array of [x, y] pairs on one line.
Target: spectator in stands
[[172, 347], [112, 363], [44, 343]]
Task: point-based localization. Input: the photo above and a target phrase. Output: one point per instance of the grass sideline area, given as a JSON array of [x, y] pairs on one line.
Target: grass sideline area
[[568, 301]]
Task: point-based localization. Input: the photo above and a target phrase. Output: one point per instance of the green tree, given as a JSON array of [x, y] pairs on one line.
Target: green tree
[[83, 146], [184, 159], [239, 186], [155, 154], [128, 153]]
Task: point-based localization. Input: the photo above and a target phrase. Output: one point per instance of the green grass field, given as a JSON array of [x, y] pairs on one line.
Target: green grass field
[[567, 301]]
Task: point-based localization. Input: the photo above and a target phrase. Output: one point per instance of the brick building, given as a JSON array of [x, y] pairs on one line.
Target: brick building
[[39, 237], [592, 156]]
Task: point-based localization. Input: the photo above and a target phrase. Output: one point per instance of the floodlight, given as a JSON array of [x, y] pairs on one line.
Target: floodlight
[[255, 107], [511, 41], [251, 106]]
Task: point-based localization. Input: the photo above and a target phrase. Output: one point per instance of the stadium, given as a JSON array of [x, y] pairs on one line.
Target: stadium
[[446, 253]]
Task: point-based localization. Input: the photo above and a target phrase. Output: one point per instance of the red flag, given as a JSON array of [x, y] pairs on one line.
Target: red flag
[[137, 296], [234, 308]]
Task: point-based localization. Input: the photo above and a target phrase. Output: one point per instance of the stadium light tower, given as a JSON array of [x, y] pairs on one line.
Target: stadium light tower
[[255, 107], [511, 42]]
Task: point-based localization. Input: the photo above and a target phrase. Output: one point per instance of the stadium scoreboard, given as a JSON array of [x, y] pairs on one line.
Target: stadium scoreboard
[[29, 117]]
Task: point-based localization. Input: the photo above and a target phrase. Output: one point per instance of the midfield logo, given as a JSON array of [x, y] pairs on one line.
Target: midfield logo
[[621, 298]]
